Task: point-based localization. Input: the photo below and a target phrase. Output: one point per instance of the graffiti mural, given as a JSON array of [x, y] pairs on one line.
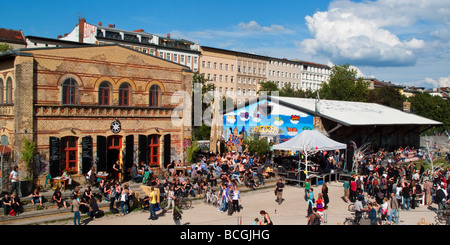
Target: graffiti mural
[[268, 119]]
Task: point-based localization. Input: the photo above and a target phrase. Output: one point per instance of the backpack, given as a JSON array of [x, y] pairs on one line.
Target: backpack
[[176, 214], [316, 220]]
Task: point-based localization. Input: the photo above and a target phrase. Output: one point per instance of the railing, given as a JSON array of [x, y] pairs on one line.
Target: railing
[[101, 111]]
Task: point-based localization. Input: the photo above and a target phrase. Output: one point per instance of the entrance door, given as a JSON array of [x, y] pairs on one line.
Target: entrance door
[[113, 152], [166, 150]]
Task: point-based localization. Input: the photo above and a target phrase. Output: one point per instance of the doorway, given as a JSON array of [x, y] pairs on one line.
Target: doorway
[[113, 151]]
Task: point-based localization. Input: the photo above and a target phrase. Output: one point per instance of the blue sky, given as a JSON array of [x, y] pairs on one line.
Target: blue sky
[[402, 41]]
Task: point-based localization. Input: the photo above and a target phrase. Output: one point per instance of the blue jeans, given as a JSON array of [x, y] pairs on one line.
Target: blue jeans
[[306, 194], [223, 205], [406, 203], [76, 217], [393, 214], [124, 207], [152, 211]]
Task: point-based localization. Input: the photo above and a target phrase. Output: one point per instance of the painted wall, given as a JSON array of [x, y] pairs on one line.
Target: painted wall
[[268, 119]]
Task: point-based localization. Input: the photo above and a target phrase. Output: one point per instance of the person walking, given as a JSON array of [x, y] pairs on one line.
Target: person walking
[[152, 204], [76, 203], [307, 188], [326, 199], [236, 199], [177, 213], [279, 187], [311, 202], [393, 204], [406, 194], [14, 177]]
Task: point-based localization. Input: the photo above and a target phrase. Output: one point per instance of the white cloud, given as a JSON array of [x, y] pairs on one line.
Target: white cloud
[[253, 26], [441, 82], [362, 33]]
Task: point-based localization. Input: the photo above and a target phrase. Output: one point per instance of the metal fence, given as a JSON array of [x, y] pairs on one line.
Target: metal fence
[[404, 218]]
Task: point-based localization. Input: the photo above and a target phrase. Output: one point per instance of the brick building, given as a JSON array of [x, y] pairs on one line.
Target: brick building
[[86, 106]]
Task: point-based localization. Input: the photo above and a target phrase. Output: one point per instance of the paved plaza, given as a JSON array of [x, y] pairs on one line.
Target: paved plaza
[[291, 212]]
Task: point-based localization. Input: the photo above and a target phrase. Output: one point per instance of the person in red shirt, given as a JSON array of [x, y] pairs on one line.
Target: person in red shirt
[[353, 190]]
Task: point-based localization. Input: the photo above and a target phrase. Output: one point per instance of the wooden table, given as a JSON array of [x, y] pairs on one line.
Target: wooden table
[[61, 180], [180, 169], [103, 176]]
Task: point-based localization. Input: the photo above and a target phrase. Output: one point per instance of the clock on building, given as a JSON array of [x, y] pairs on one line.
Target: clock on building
[[115, 126]]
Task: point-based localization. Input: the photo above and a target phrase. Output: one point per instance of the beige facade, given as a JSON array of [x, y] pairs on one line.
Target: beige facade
[[90, 106], [219, 68], [234, 74], [251, 70]]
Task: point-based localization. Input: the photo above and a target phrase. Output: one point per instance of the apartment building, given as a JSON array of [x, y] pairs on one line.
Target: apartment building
[[251, 71], [297, 74], [179, 51], [234, 74], [219, 67]]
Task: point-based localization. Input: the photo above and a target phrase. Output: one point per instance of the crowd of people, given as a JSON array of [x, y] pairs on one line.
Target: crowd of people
[[394, 184], [383, 176]]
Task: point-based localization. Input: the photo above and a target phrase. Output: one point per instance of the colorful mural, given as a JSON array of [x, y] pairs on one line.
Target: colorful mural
[[266, 119]]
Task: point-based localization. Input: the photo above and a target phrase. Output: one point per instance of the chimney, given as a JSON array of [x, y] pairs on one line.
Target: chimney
[[168, 35], [139, 30], [60, 36], [99, 23], [111, 26], [81, 30]]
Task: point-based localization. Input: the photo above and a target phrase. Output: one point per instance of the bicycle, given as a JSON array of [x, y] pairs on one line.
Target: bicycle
[[184, 202], [442, 217], [355, 220], [211, 198]]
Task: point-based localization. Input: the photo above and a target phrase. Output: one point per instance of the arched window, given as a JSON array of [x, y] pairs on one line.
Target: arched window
[[124, 94], [104, 93], [69, 91], [155, 96]]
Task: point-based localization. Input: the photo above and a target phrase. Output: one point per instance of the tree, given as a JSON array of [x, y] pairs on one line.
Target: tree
[[287, 91], [388, 96], [255, 144], [268, 86], [432, 107], [344, 85], [5, 47], [28, 156]]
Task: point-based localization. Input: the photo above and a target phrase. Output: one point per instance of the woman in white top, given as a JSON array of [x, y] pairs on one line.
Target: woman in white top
[[236, 198], [170, 198]]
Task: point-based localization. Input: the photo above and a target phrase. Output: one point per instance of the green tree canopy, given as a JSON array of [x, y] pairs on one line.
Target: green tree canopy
[[432, 107], [388, 96], [268, 86], [5, 47], [344, 85]]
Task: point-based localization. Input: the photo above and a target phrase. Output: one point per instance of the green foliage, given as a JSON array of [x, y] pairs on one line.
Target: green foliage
[[28, 155], [202, 133], [256, 145], [5, 47], [388, 96], [432, 107], [191, 151], [268, 86], [344, 85]]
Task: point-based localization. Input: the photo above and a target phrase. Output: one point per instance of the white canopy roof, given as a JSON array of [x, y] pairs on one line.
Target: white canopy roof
[[310, 140], [351, 113]]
